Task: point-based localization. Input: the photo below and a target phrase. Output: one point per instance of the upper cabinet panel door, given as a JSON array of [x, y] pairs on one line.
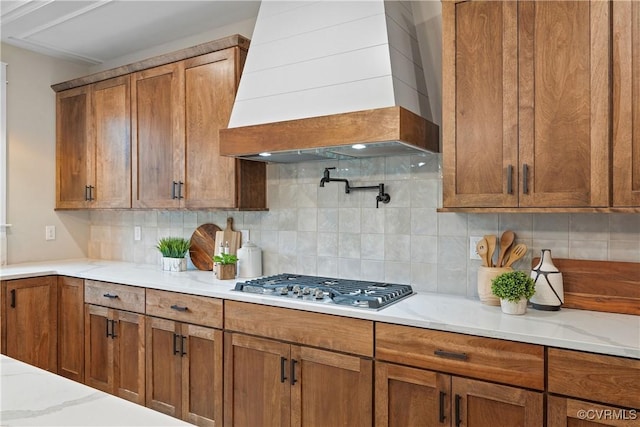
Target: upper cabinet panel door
[[564, 103], [480, 110], [157, 108], [210, 90], [112, 121], [626, 103], [73, 148]]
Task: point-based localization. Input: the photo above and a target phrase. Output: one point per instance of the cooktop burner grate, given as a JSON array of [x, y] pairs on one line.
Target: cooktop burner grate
[[357, 293]]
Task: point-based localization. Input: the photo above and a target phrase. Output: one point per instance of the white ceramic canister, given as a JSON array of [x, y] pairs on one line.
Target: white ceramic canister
[[249, 260]]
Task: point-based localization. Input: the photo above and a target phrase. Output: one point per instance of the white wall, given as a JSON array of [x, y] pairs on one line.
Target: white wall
[[31, 160]]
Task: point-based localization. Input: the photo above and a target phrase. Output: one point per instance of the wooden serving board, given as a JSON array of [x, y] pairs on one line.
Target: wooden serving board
[[234, 238], [203, 244], [610, 286]]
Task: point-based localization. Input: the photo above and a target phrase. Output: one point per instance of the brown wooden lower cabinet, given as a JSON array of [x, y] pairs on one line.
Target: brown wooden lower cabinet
[[71, 328], [271, 383], [408, 396], [114, 352], [565, 412], [184, 371], [29, 321]]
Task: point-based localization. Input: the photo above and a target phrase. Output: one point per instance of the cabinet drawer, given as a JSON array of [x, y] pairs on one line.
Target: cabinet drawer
[[123, 297], [193, 309], [301, 327], [607, 379], [483, 358]]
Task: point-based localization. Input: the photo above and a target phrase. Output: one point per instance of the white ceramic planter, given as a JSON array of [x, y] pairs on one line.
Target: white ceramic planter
[[174, 264], [509, 307]]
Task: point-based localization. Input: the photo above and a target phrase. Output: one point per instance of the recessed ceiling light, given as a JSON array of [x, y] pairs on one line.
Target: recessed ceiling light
[[264, 154], [358, 146]]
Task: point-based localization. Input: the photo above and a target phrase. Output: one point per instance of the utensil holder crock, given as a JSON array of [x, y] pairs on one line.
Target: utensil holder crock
[[485, 276]]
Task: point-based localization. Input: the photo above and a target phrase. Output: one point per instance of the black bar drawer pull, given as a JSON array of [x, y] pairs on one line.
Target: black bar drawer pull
[[283, 362], [182, 345], [180, 184], [510, 179], [179, 308], [442, 417], [458, 417], [450, 355], [525, 178], [110, 296], [107, 324], [86, 193], [293, 371], [13, 298]]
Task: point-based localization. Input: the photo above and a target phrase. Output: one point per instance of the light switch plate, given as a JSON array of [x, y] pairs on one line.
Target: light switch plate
[[137, 234], [50, 232], [473, 242], [245, 236]]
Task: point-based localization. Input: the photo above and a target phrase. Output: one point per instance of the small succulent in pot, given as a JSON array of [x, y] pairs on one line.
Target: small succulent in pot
[[173, 250], [513, 288]]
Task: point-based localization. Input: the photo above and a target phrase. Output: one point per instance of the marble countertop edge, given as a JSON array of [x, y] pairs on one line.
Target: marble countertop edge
[[597, 332]]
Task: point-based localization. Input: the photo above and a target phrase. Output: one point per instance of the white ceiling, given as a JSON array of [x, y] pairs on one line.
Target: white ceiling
[[94, 32]]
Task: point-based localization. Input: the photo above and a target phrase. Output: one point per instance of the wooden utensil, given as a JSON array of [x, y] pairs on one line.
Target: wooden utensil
[[518, 252], [482, 249], [506, 240], [203, 245], [492, 241], [233, 238]]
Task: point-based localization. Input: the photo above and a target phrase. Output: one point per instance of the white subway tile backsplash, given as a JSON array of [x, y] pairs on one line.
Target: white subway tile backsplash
[[313, 230]]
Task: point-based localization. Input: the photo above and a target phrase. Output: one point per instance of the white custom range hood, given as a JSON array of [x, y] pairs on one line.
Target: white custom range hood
[[331, 79]]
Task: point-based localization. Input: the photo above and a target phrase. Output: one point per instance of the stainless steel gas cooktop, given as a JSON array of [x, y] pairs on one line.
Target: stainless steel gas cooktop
[[355, 293]]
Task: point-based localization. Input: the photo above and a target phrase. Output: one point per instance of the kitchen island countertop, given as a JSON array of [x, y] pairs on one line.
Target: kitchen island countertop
[[604, 333], [34, 397]]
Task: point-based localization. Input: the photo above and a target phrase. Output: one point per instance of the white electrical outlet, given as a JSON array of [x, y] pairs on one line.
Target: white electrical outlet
[[473, 242], [245, 235], [137, 233], [50, 232]]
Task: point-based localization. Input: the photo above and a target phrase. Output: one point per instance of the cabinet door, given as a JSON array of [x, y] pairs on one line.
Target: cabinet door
[[626, 108], [409, 397], [98, 348], [71, 328], [157, 123], [163, 366], [202, 376], [330, 389], [112, 146], [74, 163], [480, 104], [564, 412], [30, 326], [129, 351], [481, 404], [257, 391], [210, 90], [564, 103]]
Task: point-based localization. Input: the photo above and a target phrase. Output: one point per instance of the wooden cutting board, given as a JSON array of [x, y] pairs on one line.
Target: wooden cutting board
[[611, 286], [203, 244], [228, 235]]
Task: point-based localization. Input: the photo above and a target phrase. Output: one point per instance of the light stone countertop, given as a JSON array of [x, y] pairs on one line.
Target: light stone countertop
[[34, 397], [605, 333]]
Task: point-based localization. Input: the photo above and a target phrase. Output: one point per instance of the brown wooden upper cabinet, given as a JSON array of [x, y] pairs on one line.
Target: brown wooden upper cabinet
[[626, 104], [178, 110], [526, 104], [93, 146]]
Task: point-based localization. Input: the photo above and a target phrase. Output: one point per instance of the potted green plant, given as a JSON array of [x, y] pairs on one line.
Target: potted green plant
[[173, 250], [225, 266], [513, 288]]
